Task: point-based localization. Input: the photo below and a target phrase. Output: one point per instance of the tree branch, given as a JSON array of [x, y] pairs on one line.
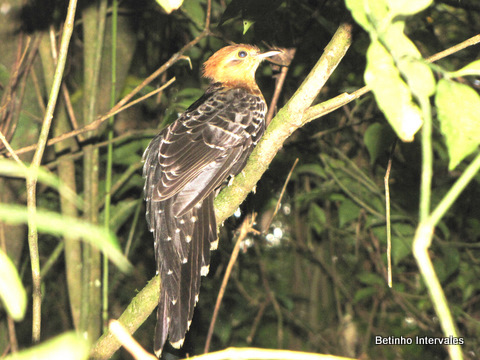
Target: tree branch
[[288, 119]]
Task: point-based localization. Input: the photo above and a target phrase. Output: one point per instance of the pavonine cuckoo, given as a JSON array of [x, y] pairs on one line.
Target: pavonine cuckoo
[[185, 164]]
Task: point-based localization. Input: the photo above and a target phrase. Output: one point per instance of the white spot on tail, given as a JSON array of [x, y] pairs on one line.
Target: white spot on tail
[[188, 239], [177, 230], [178, 344], [184, 261], [193, 219], [214, 245], [204, 271]]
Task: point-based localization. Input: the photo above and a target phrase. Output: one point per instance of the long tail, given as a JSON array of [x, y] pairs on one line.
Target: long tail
[[182, 248]]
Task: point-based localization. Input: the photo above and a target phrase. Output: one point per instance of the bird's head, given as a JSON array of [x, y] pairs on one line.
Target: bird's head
[[235, 65]]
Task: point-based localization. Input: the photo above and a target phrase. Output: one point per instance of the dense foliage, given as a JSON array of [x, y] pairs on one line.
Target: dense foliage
[[314, 276]]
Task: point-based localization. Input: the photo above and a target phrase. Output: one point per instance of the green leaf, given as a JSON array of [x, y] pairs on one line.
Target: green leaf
[[407, 7], [347, 212], [357, 8], [66, 346], [451, 259], [186, 97], [378, 139], [409, 61], [169, 5], [317, 218], [121, 212], [419, 76], [401, 241], [471, 69], [56, 224], [369, 278], [250, 9], [313, 169], [128, 153], [247, 24], [377, 13], [12, 292], [10, 168], [458, 111], [392, 55], [392, 94], [364, 293], [194, 9]]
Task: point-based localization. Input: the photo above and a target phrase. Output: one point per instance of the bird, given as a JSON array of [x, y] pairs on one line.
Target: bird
[[185, 165]]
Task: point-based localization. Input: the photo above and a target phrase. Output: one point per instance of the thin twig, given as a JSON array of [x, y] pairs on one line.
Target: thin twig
[[65, 93], [146, 96], [38, 92], [32, 174], [95, 124], [13, 96], [245, 229], [128, 342], [120, 105], [272, 298], [279, 202], [326, 107], [371, 318], [257, 319], [133, 224], [147, 133], [70, 111], [279, 86], [12, 152], [456, 48], [387, 214]]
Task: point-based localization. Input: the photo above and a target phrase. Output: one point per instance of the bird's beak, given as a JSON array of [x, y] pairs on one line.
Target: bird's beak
[[269, 54]]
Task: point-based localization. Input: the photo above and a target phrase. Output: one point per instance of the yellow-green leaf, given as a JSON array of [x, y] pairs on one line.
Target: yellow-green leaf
[[10, 168], [56, 224], [247, 24], [170, 5], [12, 292], [66, 346], [409, 61], [471, 69], [407, 7], [357, 9], [458, 111], [392, 94]]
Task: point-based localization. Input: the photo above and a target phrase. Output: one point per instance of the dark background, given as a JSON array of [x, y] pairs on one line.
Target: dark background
[[323, 257]]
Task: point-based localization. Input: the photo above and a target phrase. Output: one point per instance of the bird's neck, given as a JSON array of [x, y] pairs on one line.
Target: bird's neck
[[250, 87]]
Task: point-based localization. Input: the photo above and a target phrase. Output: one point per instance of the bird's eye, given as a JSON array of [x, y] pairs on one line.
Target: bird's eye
[[242, 54]]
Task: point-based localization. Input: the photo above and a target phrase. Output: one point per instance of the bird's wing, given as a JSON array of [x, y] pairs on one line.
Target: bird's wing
[[198, 151]]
